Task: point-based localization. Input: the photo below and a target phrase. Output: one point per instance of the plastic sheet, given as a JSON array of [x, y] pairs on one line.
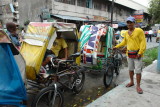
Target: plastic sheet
[[12, 88]]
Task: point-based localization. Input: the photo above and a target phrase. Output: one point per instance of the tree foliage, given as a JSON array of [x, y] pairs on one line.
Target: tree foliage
[[154, 10]]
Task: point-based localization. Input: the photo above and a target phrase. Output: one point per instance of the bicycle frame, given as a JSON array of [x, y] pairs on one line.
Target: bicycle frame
[[62, 73], [54, 96]]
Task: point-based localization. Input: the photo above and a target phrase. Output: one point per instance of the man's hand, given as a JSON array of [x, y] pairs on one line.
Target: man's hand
[[139, 56], [114, 48]]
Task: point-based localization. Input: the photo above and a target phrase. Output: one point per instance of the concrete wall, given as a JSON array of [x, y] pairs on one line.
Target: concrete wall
[[31, 9], [6, 17], [74, 10], [121, 12]]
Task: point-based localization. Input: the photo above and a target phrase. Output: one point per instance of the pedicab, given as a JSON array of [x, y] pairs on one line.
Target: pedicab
[[97, 42], [12, 74], [60, 73]]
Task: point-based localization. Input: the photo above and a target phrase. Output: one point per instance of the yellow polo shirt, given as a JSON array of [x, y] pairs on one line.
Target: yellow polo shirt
[[135, 41], [58, 45]]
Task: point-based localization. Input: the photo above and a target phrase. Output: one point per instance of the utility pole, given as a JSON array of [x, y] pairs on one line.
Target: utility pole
[[112, 12]]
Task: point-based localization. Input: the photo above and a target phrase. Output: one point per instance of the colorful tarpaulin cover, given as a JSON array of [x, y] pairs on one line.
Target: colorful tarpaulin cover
[[89, 40], [109, 40], [12, 89], [34, 46]]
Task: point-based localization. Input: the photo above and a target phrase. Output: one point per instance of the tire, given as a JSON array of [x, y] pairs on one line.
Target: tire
[[79, 80], [108, 76], [118, 62], [42, 98]]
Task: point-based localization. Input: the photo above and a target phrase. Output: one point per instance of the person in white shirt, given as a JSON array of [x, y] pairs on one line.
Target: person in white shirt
[[82, 27], [150, 33]]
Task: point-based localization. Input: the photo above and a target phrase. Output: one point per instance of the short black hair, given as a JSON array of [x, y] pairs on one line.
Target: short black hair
[[11, 27]]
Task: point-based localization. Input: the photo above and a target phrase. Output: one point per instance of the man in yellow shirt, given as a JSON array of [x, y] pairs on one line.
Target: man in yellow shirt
[[135, 41], [58, 44]]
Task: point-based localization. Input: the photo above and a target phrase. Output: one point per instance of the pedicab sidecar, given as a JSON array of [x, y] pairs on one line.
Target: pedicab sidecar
[[40, 37], [97, 52], [95, 41]]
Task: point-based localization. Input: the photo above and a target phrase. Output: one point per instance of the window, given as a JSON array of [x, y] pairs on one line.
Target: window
[[81, 3], [119, 11], [72, 2], [97, 6], [84, 3], [103, 8], [89, 3], [100, 6], [14, 0]]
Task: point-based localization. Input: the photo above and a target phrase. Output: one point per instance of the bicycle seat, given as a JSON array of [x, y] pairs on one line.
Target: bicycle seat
[[75, 55]]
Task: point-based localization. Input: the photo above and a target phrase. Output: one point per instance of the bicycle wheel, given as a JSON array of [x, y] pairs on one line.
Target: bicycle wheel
[[45, 98], [79, 81], [118, 62], [108, 76]]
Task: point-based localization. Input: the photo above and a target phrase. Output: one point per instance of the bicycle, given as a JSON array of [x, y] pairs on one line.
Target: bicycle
[[67, 75], [113, 63]]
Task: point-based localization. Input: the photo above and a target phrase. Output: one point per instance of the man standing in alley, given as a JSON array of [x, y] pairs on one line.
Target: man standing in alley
[[135, 41], [150, 34]]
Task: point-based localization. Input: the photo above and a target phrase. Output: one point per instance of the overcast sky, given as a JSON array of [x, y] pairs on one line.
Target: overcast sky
[[143, 2]]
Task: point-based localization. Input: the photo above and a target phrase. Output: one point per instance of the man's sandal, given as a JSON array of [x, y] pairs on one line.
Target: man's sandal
[[129, 85], [139, 90]]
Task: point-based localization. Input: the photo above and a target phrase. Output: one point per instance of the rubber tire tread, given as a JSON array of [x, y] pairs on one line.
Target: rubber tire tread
[[81, 70], [110, 68], [45, 90], [117, 71]]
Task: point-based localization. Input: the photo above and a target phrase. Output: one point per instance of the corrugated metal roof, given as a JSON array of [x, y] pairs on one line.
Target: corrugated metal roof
[[131, 4], [69, 17]]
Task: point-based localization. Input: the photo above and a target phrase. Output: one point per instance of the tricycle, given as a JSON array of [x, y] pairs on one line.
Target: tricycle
[[58, 74], [46, 82], [97, 53]]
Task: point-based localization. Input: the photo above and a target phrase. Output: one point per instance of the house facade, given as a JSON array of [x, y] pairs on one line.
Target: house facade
[[78, 10], [9, 11]]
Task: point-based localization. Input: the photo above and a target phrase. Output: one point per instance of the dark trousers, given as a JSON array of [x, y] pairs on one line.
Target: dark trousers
[[149, 36]]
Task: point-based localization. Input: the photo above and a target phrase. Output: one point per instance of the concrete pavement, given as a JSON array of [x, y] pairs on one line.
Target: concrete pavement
[[128, 97], [124, 97], [152, 44]]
